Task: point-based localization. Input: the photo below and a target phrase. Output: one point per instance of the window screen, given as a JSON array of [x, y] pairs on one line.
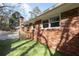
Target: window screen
[[54, 21]]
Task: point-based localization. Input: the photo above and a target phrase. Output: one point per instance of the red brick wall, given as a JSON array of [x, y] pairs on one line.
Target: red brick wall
[[70, 33], [65, 38]]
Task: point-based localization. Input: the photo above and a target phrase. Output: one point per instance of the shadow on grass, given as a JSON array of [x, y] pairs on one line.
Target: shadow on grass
[[15, 41], [5, 47], [45, 51], [21, 45], [30, 48], [58, 53], [40, 34], [48, 50]]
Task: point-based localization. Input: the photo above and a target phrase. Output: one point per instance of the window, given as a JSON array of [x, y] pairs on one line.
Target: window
[[54, 21], [45, 23]]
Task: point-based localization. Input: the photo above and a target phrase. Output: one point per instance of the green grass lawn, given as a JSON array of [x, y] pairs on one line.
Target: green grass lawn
[[24, 48]]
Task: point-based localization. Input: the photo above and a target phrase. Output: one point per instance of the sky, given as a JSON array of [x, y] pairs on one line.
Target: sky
[[24, 8], [42, 6]]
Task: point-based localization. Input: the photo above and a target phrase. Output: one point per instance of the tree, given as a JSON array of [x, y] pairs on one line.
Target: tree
[[14, 21], [31, 15], [5, 12], [35, 12]]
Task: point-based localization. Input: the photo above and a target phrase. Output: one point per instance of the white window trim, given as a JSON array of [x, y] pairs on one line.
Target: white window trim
[[49, 23], [55, 27], [56, 21]]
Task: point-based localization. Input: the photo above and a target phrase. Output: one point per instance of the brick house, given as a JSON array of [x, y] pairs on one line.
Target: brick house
[[58, 27]]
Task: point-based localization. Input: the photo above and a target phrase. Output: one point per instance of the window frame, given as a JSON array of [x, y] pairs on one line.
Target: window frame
[[49, 23], [55, 22], [45, 23]]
